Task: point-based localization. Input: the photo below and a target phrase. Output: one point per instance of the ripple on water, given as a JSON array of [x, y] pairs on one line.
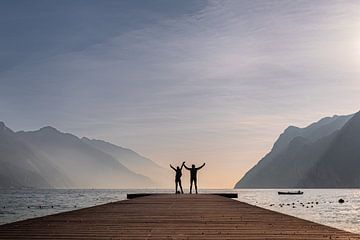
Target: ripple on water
[[23, 204]]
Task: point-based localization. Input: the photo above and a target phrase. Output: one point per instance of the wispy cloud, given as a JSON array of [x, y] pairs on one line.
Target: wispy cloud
[[216, 80]]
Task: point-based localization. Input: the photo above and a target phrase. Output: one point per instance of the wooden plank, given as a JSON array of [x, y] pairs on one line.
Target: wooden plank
[[136, 195], [169, 216]]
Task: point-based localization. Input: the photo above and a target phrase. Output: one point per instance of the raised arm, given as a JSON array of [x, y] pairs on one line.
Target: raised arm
[[200, 167], [182, 165], [173, 167], [186, 167]]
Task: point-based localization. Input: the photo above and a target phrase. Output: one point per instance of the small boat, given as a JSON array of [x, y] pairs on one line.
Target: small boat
[[291, 193]]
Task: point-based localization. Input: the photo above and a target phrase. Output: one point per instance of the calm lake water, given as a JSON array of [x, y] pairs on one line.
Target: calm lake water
[[17, 205]]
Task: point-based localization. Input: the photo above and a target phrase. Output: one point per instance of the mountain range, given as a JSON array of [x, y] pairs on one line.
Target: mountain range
[[325, 154], [48, 158]]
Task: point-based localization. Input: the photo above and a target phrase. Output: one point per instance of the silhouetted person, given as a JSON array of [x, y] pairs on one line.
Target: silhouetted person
[[193, 172], [178, 177]]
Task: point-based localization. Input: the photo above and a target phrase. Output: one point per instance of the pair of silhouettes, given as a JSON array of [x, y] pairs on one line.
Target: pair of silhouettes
[[193, 176]]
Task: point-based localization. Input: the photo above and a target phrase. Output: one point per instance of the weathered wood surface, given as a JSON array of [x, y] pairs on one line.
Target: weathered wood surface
[[171, 217]]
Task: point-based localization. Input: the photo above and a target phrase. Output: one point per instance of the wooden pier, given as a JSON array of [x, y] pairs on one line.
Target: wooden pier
[[168, 216], [136, 195]]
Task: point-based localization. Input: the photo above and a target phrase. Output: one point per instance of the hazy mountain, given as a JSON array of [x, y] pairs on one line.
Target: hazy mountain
[[297, 155], [132, 160], [339, 167], [86, 166], [22, 166]]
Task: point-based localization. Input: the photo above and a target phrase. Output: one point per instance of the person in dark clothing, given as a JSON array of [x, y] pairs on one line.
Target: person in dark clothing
[[193, 172], [178, 177]]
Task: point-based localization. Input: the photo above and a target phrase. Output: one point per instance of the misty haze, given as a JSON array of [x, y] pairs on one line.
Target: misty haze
[[139, 119]]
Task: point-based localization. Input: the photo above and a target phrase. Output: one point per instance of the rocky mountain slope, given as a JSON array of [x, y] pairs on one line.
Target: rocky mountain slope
[[48, 158], [322, 155]]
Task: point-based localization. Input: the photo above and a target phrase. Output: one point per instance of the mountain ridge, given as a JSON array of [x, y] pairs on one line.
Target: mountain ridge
[[132, 160], [78, 164], [294, 154], [22, 166]]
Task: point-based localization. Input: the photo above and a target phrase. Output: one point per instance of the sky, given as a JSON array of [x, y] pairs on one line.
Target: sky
[[195, 81]]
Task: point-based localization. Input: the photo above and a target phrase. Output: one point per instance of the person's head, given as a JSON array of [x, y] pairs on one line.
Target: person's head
[[193, 166], [177, 168]]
